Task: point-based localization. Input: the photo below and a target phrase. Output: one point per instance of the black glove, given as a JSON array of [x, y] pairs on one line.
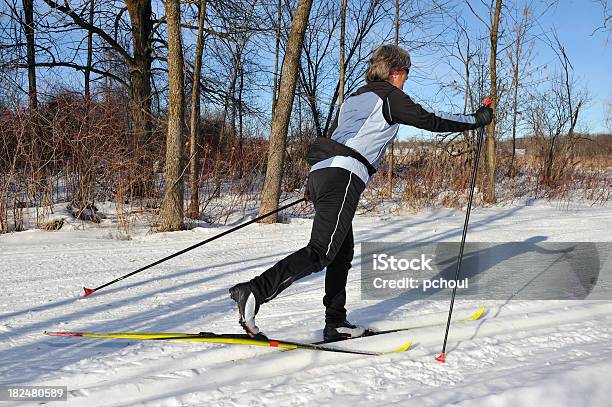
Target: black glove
[[484, 116]]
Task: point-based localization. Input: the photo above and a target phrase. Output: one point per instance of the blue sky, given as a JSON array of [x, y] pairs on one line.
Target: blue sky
[[589, 54]]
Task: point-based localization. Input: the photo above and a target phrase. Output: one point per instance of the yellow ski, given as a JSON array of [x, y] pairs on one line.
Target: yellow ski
[[210, 337], [474, 317]]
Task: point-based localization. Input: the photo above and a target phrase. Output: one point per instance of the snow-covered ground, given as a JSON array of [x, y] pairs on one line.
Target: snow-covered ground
[[523, 353]]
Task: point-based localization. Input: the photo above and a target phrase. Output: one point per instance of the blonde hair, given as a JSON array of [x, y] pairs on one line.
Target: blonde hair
[[385, 58]]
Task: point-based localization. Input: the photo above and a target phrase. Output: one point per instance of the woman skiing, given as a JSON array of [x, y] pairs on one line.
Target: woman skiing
[[367, 122]]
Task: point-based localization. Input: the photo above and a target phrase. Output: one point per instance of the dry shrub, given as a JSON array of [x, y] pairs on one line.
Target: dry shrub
[[53, 225], [433, 174], [69, 150]]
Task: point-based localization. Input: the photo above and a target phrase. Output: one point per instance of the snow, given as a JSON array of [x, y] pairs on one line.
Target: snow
[[544, 353]]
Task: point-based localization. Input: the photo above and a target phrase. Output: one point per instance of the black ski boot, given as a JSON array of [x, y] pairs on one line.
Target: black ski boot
[[247, 307], [342, 330]]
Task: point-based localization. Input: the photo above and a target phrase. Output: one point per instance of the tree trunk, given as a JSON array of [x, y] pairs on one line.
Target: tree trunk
[[282, 113], [489, 192], [276, 53], [87, 71], [515, 83], [194, 124], [222, 131], [568, 150], [28, 27], [240, 125], [140, 81], [342, 30], [391, 153], [172, 205]]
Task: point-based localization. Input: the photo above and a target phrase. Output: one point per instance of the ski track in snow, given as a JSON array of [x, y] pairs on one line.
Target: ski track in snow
[[544, 353]]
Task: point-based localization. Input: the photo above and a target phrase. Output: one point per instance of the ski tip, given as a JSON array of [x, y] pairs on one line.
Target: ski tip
[[441, 357], [477, 314], [63, 333], [88, 291], [403, 348]]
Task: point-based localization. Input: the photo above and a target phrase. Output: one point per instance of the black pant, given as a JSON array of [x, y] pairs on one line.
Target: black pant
[[335, 193]]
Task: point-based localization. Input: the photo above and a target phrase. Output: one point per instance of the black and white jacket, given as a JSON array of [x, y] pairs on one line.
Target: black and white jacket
[[368, 121]]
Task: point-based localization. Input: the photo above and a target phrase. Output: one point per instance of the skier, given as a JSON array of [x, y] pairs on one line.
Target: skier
[[367, 122]]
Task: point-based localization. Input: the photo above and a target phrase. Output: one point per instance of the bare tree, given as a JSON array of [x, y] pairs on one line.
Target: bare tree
[[87, 71], [493, 29], [28, 27], [553, 119], [277, 30], [140, 68], [319, 80], [489, 192], [139, 64], [606, 24], [280, 120], [517, 60], [573, 102], [464, 50], [318, 42], [391, 151], [237, 53], [342, 67], [194, 123], [172, 206]]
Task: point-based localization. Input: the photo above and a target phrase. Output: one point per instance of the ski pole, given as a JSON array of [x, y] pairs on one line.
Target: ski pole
[[89, 291], [442, 356]]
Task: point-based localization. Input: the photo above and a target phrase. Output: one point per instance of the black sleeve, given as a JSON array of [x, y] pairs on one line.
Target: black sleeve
[[398, 108]]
